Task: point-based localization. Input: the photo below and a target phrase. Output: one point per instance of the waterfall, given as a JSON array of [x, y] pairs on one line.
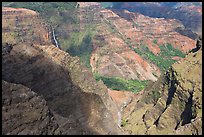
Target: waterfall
[[53, 34], [125, 103], [119, 119]]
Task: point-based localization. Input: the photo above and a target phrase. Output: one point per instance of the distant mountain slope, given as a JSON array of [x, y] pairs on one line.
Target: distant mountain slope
[[62, 16], [189, 13], [21, 29], [132, 46]]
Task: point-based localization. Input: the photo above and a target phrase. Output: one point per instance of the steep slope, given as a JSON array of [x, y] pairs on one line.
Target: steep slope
[[173, 104], [25, 28], [189, 13], [25, 112], [115, 43], [79, 104], [61, 16], [125, 47]]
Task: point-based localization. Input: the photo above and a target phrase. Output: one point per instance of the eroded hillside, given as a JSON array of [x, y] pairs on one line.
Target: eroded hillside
[[189, 13], [78, 103], [173, 104], [27, 27], [126, 46], [48, 91], [117, 45]]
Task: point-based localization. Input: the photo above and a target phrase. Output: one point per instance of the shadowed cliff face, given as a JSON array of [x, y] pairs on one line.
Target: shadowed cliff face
[[36, 120], [79, 104], [53, 81], [173, 104]]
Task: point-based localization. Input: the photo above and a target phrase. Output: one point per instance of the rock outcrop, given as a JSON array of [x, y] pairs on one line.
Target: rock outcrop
[[25, 112], [21, 25], [173, 104], [78, 103]]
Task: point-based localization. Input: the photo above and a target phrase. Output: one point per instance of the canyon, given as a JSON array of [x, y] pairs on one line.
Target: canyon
[[130, 45], [54, 76], [189, 13], [172, 105], [47, 89]]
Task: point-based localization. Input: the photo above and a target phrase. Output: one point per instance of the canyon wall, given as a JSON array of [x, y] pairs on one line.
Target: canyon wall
[[173, 104], [68, 90]]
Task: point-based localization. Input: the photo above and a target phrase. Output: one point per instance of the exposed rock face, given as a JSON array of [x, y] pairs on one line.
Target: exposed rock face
[[118, 33], [79, 104], [173, 106], [25, 112], [66, 99], [23, 25], [142, 29]]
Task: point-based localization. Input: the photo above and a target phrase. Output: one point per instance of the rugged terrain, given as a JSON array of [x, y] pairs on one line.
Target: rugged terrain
[[116, 43], [173, 104], [51, 81], [46, 90], [25, 112], [22, 28], [124, 45], [189, 13]]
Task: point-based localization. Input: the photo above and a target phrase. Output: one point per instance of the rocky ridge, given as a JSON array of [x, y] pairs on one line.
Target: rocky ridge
[[189, 13], [25, 112], [173, 104], [78, 103]]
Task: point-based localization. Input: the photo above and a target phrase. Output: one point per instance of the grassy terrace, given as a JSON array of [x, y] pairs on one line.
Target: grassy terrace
[[122, 84], [164, 59]]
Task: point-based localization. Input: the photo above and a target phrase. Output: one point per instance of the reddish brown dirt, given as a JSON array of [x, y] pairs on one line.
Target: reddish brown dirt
[[24, 11]]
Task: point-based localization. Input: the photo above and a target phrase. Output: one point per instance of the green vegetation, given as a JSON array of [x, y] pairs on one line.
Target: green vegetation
[[164, 59], [172, 51], [81, 48], [135, 24], [156, 95], [124, 122], [155, 41], [137, 51], [61, 15], [51, 11], [197, 3], [116, 83]]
